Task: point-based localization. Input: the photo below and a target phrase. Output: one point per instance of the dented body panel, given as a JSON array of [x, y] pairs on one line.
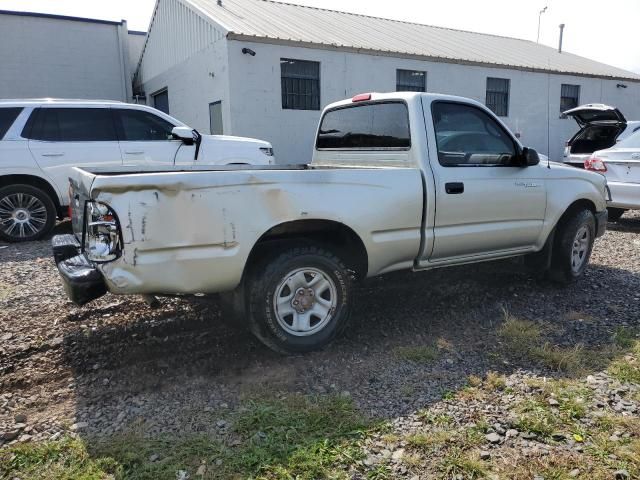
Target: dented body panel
[[191, 232]]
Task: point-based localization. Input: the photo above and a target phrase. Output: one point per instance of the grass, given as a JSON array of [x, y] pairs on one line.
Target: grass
[[519, 335], [418, 354], [297, 438]]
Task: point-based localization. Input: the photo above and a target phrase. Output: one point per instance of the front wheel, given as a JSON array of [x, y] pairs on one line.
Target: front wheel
[[299, 300], [572, 246], [26, 213]]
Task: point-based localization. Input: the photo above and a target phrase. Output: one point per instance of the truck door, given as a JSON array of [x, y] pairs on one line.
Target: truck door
[[484, 204]]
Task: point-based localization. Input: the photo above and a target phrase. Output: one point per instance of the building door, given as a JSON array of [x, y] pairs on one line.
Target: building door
[[161, 100], [215, 118]]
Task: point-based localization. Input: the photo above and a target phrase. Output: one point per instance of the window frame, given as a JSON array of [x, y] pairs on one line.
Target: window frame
[[38, 116], [562, 110], [319, 80], [424, 77], [508, 94], [369, 149], [487, 111], [120, 131]]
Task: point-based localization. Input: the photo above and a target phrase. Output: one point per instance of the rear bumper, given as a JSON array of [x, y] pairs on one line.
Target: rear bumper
[[601, 222], [82, 281]]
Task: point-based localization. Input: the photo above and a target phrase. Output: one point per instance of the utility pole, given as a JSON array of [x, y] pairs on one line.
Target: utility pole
[[539, 20]]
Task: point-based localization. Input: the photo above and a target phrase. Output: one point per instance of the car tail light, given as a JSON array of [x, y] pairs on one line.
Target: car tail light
[[595, 164], [102, 240]]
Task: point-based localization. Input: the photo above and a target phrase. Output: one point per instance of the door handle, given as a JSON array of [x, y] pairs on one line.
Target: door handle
[[53, 154], [454, 188], [135, 152]]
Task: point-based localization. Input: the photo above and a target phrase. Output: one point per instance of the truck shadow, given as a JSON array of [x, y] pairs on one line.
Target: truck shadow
[[413, 338]]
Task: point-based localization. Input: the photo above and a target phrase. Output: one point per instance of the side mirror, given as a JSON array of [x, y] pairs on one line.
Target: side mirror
[[529, 157], [186, 134]]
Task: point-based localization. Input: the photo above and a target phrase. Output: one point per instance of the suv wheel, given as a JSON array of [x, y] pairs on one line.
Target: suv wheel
[[26, 213], [572, 246], [299, 300]]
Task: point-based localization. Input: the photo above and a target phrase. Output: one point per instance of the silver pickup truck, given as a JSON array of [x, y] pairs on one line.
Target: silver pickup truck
[[397, 181]]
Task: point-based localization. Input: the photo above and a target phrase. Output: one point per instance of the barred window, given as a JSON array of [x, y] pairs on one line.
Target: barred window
[[498, 96], [569, 97], [300, 84], [411, 81]]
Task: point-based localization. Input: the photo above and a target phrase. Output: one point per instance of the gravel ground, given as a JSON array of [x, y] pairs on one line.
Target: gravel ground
[[119, 363]]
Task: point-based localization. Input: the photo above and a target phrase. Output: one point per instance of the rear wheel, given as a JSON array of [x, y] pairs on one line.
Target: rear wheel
[[615, 213], [299, 300], [26, 213], [572, 246]]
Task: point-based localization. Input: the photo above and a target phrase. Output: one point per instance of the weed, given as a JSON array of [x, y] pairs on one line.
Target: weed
[[519, 335], [460, 463], [417, 354]]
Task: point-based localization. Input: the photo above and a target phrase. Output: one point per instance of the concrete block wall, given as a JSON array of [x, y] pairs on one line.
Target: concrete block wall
[[534, 107]]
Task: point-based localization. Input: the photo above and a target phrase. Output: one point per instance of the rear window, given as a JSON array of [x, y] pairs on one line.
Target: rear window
[[366, 127], [7, 117], [71, 125], [594, 137]]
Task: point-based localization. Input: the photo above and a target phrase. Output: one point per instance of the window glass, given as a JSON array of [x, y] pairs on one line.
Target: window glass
[[7, 117], [300, 81], [632, 141], [367, 126], [467, 136], [71, 125], [411, 81], [569, 97], [498, 96], [137, 125]]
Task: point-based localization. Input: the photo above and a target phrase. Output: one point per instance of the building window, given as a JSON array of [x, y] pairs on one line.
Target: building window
[[569, 97], [300, 84], [411, 81], [215, 118], [498, 96], [161, 100]]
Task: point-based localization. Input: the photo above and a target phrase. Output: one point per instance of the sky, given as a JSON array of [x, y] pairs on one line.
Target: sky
[[603, 31]]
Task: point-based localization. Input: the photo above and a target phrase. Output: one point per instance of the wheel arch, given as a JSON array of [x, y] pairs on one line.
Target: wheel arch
[[34, 181], [329, 233], [576, 206]]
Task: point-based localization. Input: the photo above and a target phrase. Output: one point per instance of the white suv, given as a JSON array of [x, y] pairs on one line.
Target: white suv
[[41, 140]]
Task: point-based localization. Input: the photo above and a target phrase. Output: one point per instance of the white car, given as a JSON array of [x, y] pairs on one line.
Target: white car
[[621, 166], [42, 140], [601, 126]]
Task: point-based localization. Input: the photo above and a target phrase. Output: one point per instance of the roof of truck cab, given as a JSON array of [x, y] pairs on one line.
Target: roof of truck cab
[[406, 96], [276, 22]]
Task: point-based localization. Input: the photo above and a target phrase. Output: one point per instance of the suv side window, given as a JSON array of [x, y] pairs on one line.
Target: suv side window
[[372, 126], [137, 125], [8, 115], [468, 136], [70, 125]]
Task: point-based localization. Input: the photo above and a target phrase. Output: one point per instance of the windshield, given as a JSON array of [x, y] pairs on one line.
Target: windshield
[[632, 141]]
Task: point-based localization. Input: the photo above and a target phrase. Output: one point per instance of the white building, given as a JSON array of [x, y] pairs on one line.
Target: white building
[[56, 56], [263, 69]]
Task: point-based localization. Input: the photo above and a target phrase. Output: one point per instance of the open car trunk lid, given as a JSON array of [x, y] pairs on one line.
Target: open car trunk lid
[[596, 112]]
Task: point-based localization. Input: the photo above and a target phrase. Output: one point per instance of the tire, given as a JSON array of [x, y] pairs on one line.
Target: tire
[[314, 279], [572, 246], [26, 213], [615, 213]]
